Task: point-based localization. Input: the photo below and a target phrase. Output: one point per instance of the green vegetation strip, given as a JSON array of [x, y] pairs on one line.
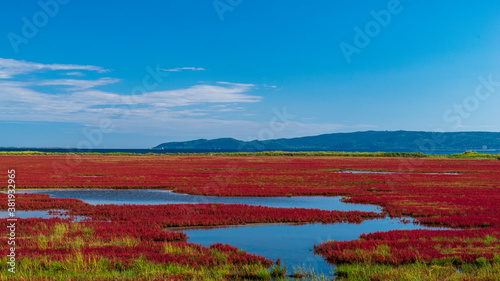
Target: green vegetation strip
[[465, 155], [419, 271]]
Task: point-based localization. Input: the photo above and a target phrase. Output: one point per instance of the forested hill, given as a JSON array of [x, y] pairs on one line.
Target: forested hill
[[409, 141]]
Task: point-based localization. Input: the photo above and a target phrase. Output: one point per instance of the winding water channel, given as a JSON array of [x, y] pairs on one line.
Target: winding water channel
[[293, 244]]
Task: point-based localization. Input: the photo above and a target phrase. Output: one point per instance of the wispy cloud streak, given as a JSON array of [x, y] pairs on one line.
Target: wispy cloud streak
[[10, 67]]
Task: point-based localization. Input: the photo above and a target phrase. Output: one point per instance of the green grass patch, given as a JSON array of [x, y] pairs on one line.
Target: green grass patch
[[465, 155], [445, 270]]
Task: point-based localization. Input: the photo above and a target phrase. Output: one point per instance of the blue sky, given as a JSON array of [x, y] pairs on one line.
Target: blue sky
[[128, 74]]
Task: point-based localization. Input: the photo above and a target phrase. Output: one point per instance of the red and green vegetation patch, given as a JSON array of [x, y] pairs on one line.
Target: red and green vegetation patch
[[123, 240], [181, 215], [58, 247], [428, 246], [469, 200], [418, 271], [217, 214], [417, 255]]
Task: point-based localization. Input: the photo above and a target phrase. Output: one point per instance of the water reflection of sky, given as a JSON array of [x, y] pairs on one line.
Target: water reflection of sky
[[293, 244], [45, 214], [151, 196]]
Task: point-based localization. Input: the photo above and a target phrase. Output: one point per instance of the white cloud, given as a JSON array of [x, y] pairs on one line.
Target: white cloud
[[10, 67], [74, 73], [186, 111], [236, 84], [209, 127], [200, 94], [81, 102], [269, 86], [76, 84], [184, 68], [155, 113]]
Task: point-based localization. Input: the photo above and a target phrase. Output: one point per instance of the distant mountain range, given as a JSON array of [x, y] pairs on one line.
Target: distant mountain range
[[396, 141]]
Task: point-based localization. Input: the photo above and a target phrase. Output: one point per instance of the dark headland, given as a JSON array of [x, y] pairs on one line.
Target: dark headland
[[408, 141]]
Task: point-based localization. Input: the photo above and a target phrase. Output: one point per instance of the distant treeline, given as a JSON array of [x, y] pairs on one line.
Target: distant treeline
[[409, 141]]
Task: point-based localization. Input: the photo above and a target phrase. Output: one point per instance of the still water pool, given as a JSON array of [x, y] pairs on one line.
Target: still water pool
[[152, 197], [27, 214], [293, 244]]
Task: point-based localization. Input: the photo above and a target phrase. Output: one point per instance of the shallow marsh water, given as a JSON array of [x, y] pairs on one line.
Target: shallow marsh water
[[292, 243]]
